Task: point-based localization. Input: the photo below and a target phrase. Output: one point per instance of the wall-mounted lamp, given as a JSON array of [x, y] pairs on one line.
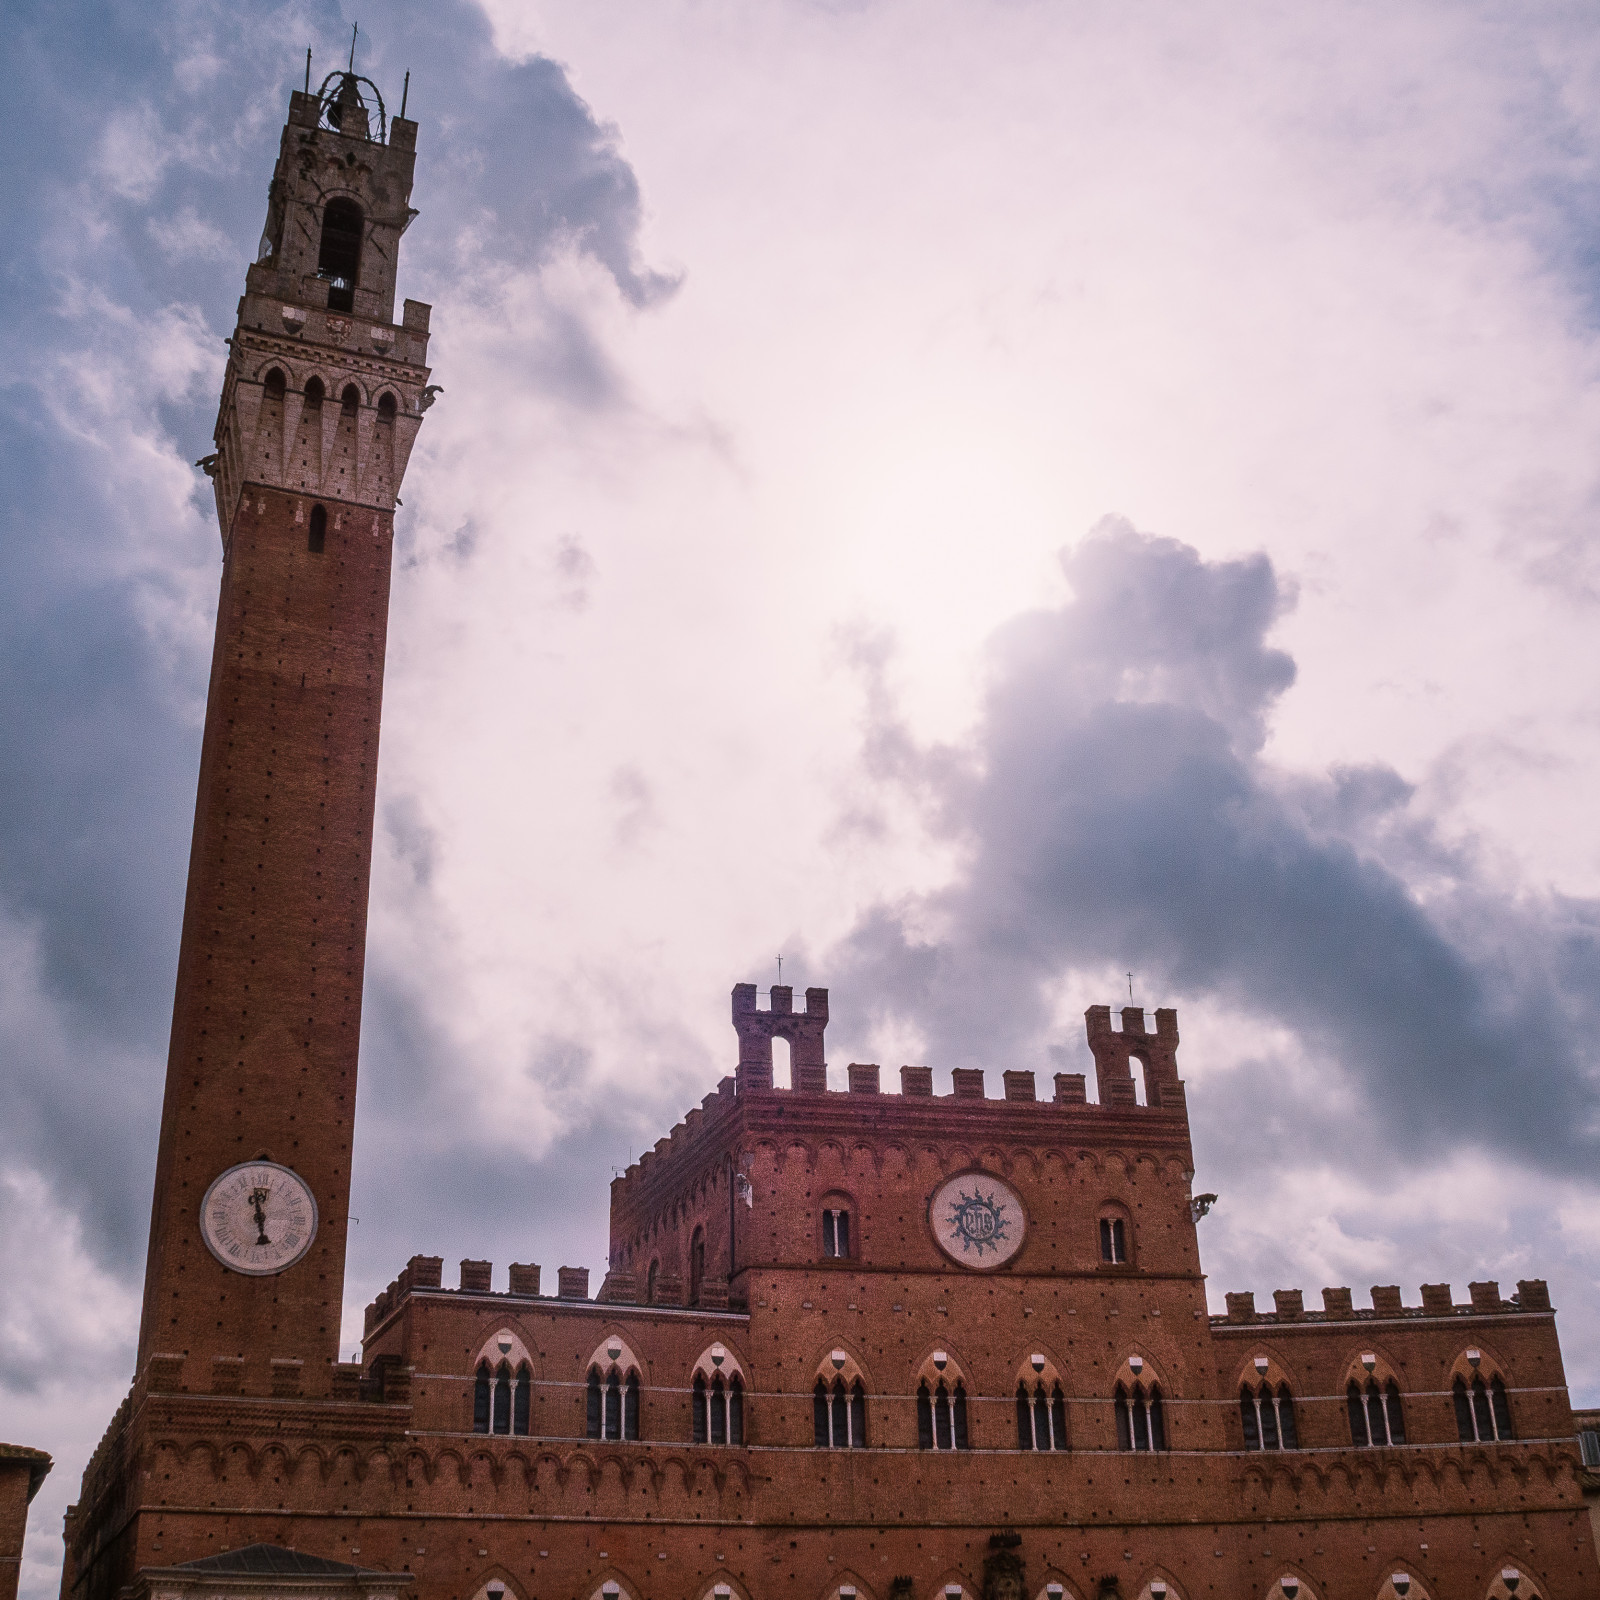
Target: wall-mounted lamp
[[1368, 1360], [1473, 1358], [1036, 1361], [1262, 1364], [940, 1360], [718, 1355], [838, 1359]]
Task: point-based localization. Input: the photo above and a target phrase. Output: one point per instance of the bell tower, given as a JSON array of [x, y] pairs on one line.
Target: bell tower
[[321, 403]]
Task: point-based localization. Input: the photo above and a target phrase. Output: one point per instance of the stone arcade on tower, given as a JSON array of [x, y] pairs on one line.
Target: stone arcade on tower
[[851, 1343]]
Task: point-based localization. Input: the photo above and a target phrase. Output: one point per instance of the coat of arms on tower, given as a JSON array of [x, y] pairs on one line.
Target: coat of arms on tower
[[1003, 1569], [338, 329], [978, 1220]]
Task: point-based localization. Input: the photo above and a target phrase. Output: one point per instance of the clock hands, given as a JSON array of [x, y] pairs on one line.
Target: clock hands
[[258, 1204]]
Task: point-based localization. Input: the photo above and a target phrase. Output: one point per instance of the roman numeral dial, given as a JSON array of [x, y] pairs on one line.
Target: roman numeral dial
[[258, 1218]]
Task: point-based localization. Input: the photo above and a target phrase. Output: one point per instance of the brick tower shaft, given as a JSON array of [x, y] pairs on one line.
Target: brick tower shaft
[[321, 403]]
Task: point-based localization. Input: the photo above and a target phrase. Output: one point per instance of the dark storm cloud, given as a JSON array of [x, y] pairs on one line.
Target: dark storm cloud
[[1114, 811], [141, 144]]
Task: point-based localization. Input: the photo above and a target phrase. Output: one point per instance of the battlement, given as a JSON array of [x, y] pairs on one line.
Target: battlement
[[1532, 1294]]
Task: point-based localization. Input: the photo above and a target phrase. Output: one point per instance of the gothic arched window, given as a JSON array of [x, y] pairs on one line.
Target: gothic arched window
[[839, 1415], [1140, 1422], [502, 1398], [1483, 1412], [836, 1232], [349, 401], [1268, 1417], [1113, 1240], [386, 407], [1041, 1416], [339, 252], [314, 394], [521, 1394], [1375, 1414], [942, 1416], [275, 384]]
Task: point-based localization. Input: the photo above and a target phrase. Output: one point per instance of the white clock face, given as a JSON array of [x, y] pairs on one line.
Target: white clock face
[[258, 1218]]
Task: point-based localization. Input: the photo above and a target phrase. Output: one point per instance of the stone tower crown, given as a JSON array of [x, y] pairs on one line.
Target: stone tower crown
[[325, 391]]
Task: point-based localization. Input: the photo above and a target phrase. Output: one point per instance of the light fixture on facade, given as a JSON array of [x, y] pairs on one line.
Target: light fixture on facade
[[718, 1355], [1037, 1361], [838, 1359], [1368, 1360]]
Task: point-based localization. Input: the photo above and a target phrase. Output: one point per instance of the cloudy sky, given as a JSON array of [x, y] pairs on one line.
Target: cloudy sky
[[978, 497]]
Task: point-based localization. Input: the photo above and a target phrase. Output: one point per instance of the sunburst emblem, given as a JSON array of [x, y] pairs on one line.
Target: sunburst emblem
[[978, 1221]]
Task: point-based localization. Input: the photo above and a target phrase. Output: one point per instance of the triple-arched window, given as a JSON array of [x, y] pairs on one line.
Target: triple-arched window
[[613, 1404], [1041, 1415], [839, 1414], [942, 1416], [1375, 1414], [718, 1409], [1268, 1417], [1483, 1412], [500, 1397], [1141, 1424]]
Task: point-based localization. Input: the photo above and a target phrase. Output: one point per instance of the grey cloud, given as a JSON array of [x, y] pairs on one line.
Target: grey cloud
[[1116, 813]]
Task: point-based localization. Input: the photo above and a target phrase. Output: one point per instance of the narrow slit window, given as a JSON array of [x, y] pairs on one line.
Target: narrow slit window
[[835, 1233], [317, 533], [1113, 1241]]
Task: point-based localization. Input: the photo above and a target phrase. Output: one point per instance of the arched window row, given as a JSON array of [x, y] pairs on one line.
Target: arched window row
[[500, 1398], [718, 1409], [1483, 1412], [942, 1416], [839, 1415], [613, 1404], [1141, 1424], [1041, 1417], [1375, 1414], [1268, 1417]]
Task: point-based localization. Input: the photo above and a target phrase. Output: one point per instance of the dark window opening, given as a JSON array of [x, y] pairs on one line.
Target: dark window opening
[[1268, 1418], [317, 534], [697, 1265], [314, 394], [386, 407], [702, 1432], [835, 1233], [275, 384], [502, 1399], [1041, 1418], [1375, 1415], [1483, 1413], [1141, 1424], [1113, 1241], [839, 1415], [650, 1283], [630, 1407], [613, 1406], [339, 254], [594, 1415], [481, 1396], [349, 401], [521, 1393], [736, 1410]]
